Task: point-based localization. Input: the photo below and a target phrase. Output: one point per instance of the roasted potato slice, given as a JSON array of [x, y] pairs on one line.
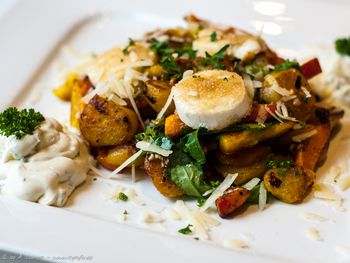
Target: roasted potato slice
[[79, 88], [173, 126], [244, 157], [104, 123], [232, 198], [232, 142], [157, 93], [245, 173], [293, 81], [112, 158], [290, 185], [156, 169]]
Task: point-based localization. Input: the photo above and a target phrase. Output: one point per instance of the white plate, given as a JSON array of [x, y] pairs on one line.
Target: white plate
[[32, 35]]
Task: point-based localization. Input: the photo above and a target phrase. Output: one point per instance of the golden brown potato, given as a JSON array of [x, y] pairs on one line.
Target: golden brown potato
[[112, 158], [157, 94], [173, 126], [232, 198], [290, 185], [104, 123], [156, 169], [245, 173], [79, 89], [232, 142], [291, 80], [64, 92]]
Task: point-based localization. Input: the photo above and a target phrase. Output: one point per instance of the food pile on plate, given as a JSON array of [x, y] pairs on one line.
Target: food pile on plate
[[207, 111]]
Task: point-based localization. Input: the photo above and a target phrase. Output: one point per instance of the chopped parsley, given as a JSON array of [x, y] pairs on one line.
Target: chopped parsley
[[215, 60], [187, 230], [125, 212], [274, 163], [342, 45], [126, 49], [19, 123], [287, 64], [123, 197], [200, 202], [213, 37]]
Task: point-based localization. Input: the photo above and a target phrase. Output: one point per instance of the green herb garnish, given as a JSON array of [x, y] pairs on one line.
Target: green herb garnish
[[125, 212], [213, 36], [187, 230], [126, 49], [287, 64], [123, 197], [215, 60], [274, 163], [19, 123], [200, 202], [342, 45]]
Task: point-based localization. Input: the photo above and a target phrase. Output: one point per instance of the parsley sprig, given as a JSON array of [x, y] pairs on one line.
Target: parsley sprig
[[342, 45], [186, 230], [215, 60], [19, 123], [126, 49], [287, 64]]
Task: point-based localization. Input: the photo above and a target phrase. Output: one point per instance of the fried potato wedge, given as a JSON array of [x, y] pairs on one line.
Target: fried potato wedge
[[104, 123], [289, 185], [112, 158], [232, 142], [79, 88], [157, 93], [156, 169], [173, 126]]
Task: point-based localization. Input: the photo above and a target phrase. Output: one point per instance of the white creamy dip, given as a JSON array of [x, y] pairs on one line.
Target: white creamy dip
[[45, 166], [334, 81]]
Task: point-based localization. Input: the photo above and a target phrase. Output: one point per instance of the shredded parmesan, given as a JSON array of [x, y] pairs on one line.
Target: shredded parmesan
[[306, 92], [314, 235], [150, 217], [137, 64], [235, 244], [166, 105], [275, 87], [187, 73], [128, 89], [327, 194], [272, 114], [172, 214], [149, 147], [262, 196], [133, 196], [229, 179], [131, 159], [133, 173], [248, 83], [251, 184], [282, 112], [314, 217], [344, 182], [304, 136]]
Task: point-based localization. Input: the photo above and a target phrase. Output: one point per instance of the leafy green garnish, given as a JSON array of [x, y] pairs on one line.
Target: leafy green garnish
[[123, 197], [19, 123], [125, 212], [287, 64], [190, 144], [187, 230], [342, 45], [254, 195], [166, 57], [240, 127], [215, 60], [256, 70], [126, 49], [190, 179], [154, 133], [213, 36]]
